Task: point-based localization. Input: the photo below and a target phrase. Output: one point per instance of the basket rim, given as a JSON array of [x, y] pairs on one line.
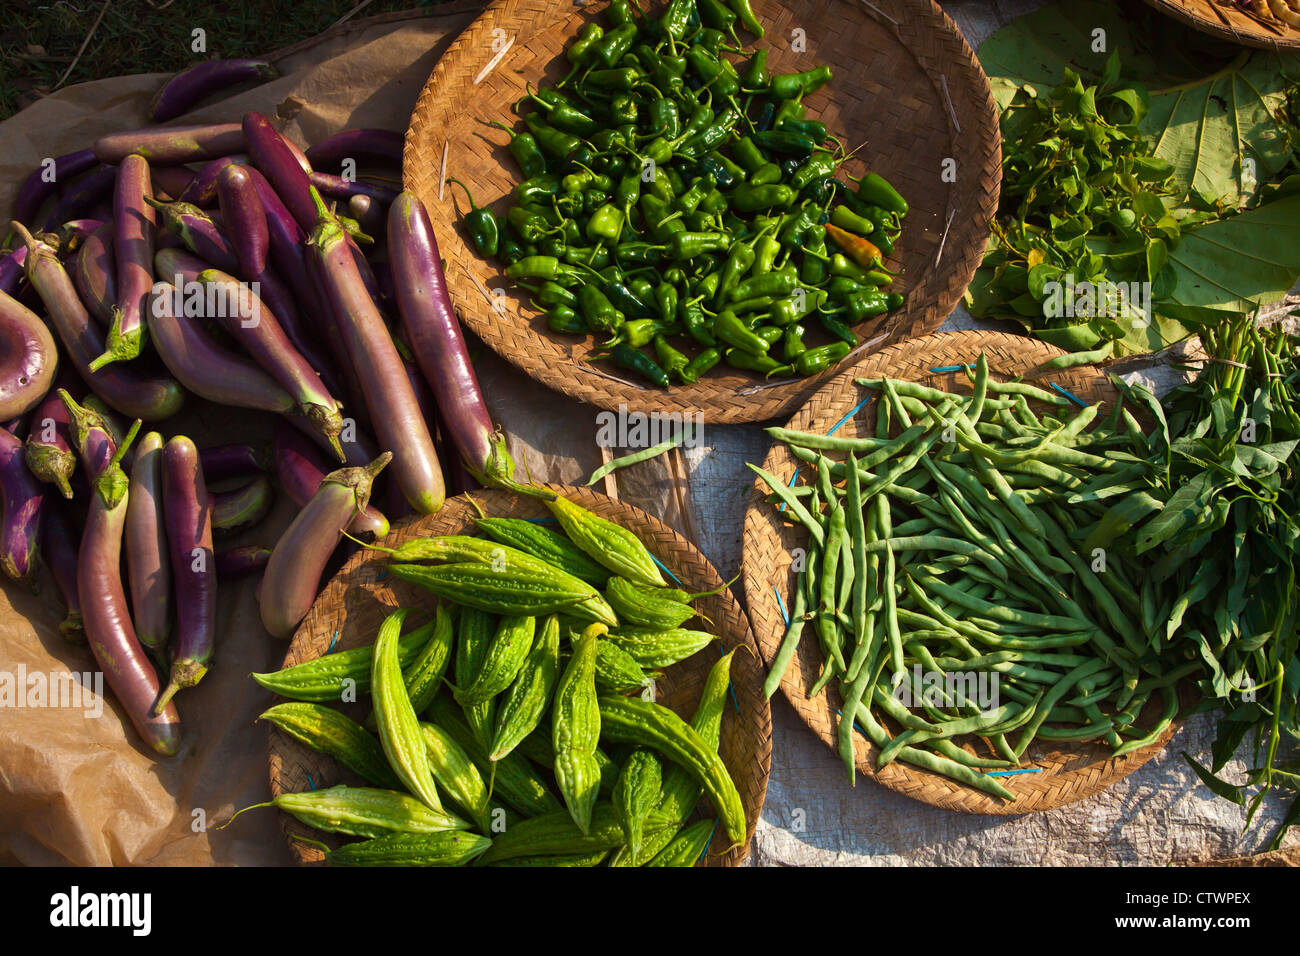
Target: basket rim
[[1239, 28], [682, 558], [761, 527], [976, 137]]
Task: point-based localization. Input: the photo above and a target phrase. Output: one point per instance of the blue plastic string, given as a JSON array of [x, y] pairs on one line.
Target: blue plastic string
[[310, 782], [853, 411], [381, 574], [663, 567], [1068, 394], [1012, 773], [951, 368], [710, 840], [542, 520], [785, 615], [793, 478], [333, 640], [731, 686]]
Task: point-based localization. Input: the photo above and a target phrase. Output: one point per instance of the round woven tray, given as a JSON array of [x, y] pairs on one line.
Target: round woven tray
[[349, 610], [1230, 23], [1066, 771], [908, 91]]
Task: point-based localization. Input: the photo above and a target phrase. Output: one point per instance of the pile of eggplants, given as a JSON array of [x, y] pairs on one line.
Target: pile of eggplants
[[171, 265]]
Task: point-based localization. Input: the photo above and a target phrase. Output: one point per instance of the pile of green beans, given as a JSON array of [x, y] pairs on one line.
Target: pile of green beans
[[679, 208], [972, 541]]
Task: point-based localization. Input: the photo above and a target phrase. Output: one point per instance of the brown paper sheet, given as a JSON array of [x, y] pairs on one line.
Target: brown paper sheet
[[79, 789]]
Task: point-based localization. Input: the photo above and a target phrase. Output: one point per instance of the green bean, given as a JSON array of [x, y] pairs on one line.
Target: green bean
[[638, 456], [1166, 718], [792, 502], [789, 643], [1058, 690]]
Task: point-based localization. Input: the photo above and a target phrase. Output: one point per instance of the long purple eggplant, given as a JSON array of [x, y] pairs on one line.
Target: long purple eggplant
[[94, 273], [81, 197], [235, 460], [59, 541], [22, 497], [376, 145], [259, 332], [207, 369], [13, 266], [134, 393], [245, 220], [48, 454], [197, 232], [148, 561], [301, 468], [171, 145], [188, 510], [369, 215], [202, 190], [188, 87], [105, 615], [241, 507], [292, 578], [133, 239], [44, 180], [434, 335], [28, 358], [241, 561], [171, 181], [273, 156], [393, 407], [73, 234], [336, 187]]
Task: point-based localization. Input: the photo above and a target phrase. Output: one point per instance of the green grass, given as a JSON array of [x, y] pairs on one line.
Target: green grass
[[39, 39]]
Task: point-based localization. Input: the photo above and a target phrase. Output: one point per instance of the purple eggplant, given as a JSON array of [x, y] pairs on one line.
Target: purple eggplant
[[239, 460], [241, 561], [133, 239], [105, 615], [22, 497], [59, 541], [81, 197], [202, 190], [301, 468], [48, 454], [171, 145], [369, 215], [179, 94], [207, 369], [241, 507], [131, 391], [171, 181], [336, 187], [374, 145], [197, 232], [393, 407], [94, 273], [148, 561], [434, 335], [245, 220], [188, 510], [72, 235], [293, 574], [28, 358], [280, 165], [259, 332], [42, 183], [13, 266]]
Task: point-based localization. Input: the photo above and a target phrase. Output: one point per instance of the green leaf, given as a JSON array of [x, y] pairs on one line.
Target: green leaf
[[1217, 786], [1185, 506]]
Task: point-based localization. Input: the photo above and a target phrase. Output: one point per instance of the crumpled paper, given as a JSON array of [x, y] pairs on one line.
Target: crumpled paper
[[76, 787]]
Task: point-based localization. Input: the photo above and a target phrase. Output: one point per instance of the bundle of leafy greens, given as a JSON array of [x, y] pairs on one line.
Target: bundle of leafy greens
[[1143, 200]]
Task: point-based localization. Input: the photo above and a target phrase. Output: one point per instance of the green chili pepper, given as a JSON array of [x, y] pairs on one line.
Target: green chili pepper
[[813, 129], [717, 75], [676, 17], [565, 321], [583, 180], [551, 294], [597, 310], [611, 47], [594, 257], [666, 299], [745, 12], [657, 215], [482, 225], [747, 154], [665, 118], [627, 301], [639, 362], [796, 226], [609, 139], [816, 167], [787, 111], [535, 267], [738, 262], [841, 265], [756, 76], [877, 190], [820, 191], [792, 86], [814, 267], [510, 251], [670, 360], [523, 147], [750, 198], [638, 254], [642, 287], [593, 199], [583, 50], [738, 358], [716, 14], [697, 325], [724, 172], [788, 144], [700, 365], [553, 245], [622, 78], [812, 361], [635, 333], [606, 223], [528, 224], [766, 249], [553, 141], [846, 218], [838, 329], [727, 327], [619, 13], [712, 41], [771, 284], [711, 138], [565, 116], [688, 245], [795, 307], [792, 345]]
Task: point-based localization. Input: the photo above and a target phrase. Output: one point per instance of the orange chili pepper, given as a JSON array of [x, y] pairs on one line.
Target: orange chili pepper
[[861, 251]]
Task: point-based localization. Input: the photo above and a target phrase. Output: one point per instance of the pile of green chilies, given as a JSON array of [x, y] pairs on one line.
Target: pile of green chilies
[[671, 202], [967, 543]]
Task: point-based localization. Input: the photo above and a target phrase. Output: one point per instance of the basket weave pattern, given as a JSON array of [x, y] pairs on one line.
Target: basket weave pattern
[[350, 609], [1227, 21], [1066, 771], [908, 94]]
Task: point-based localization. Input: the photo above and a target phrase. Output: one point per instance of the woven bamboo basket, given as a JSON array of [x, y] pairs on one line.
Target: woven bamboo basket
[[354, 603], [1064, 772], [907, 90], [1230, 22]]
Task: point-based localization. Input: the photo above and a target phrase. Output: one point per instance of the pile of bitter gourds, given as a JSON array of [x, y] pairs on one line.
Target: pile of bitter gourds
[[539, 640]]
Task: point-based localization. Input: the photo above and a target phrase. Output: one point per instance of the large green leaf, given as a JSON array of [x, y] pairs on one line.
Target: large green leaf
[[1235, 265]]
